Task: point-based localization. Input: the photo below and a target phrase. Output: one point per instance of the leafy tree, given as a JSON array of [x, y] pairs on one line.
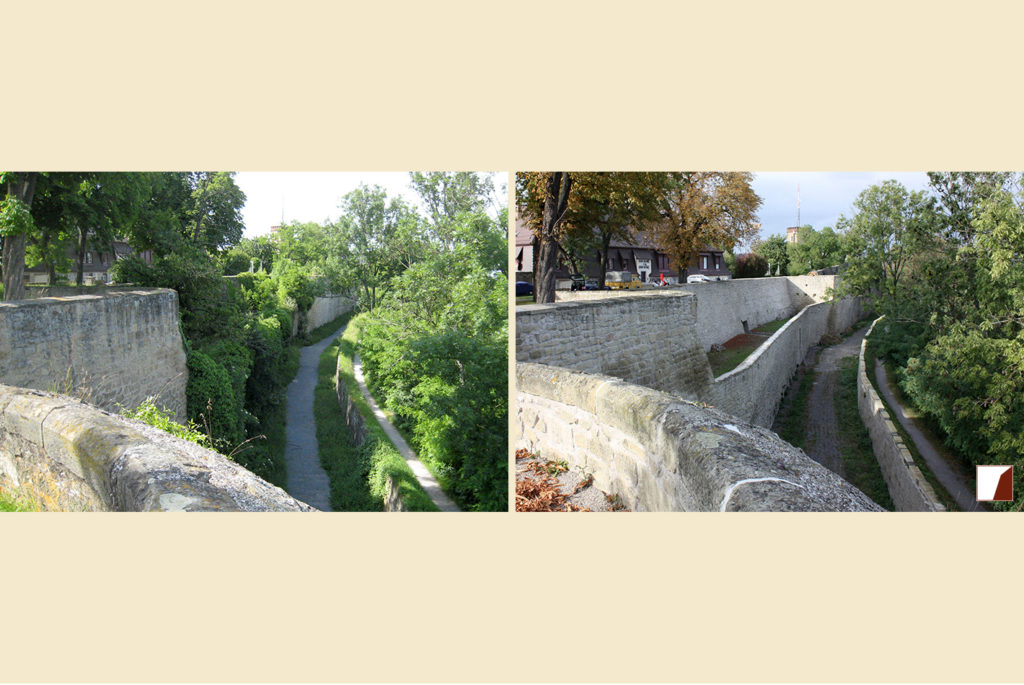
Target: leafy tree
[[775, 254], [213, 212], [375, 240], [890, 226], [15, 225], [706, 208]]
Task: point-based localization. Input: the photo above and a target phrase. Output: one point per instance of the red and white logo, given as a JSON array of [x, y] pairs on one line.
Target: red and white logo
[[995, 483]]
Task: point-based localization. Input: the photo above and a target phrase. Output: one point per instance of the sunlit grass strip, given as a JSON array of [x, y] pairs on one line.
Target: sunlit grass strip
[[361, 473]]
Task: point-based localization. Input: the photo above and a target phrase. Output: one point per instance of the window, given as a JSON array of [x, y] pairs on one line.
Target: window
[[88, 257], [704, 262], [717, 257]]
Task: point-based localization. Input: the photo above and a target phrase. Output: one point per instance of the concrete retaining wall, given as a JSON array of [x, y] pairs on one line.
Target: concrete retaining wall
[[754, 389], [658, 453], [116, 348], [69, 456], [907, 485]]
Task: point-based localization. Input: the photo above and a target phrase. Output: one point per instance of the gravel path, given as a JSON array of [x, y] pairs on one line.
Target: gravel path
[[822, 429], [305, 479], [947, 474]]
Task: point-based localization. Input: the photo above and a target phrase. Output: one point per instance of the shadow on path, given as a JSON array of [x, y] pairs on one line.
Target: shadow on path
[[946, 473], [305, 479], [426, 479]]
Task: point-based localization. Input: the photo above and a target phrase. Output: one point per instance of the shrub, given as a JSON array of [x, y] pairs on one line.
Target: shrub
[[212, 402], [750, 265]]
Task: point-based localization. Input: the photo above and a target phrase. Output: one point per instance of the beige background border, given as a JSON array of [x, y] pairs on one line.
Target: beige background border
[[464, 85]]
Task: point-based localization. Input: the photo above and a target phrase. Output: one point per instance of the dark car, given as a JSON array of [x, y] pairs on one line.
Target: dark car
[[523, 288]]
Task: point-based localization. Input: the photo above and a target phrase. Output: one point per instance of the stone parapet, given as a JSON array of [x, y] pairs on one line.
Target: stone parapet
[[648, 339], [115, 348], [659, 453], [723, 307], [909, 489], [69, 456]]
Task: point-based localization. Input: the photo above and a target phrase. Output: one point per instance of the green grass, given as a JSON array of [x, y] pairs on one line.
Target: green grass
[[794, 413], [771, 326], [15, 501], [524, 299], [321, 332], [358, 475], [724, 361], [940, 491], [859, 461]]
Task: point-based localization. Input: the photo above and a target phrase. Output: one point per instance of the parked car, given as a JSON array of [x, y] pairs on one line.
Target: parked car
[[578, 282], [523, 288], [698, 278], [591, 284]]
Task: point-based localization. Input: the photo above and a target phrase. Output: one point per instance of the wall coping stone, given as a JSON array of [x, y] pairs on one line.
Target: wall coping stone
[[74, 456], [720, 462]]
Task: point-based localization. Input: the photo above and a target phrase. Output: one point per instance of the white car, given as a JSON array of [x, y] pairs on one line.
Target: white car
[[698, 278]]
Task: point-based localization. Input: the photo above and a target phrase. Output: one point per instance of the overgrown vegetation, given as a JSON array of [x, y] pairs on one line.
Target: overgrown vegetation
[[149, 413], [434, 282], [947, 268], [359, 475], [940, 490]]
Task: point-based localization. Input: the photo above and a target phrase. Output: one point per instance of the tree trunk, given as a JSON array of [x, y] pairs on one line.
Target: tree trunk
[[606, 241], [556, 199], [21, 187], [80, 278]]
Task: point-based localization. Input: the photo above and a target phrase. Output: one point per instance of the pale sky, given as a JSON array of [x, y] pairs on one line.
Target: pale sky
[[823, 196], [315, 195]]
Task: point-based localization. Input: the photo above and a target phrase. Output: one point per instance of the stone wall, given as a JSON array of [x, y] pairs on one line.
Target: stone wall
[[326, 309], [724, 306], [68, 456], [116, 348], [907, 485], [659, 453], [652, 339], [648, 339], [753, 390]]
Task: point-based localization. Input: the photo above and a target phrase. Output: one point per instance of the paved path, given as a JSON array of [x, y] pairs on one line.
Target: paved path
[[306, 480], [945, 473], [822, 444], [424, 476]]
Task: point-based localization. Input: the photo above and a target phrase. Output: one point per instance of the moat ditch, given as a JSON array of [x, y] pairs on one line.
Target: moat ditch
[[819, 414]]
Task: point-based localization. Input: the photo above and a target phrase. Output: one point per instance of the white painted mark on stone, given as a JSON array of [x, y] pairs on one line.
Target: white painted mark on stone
[[729, 490], [175, 502], [734, 429]]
